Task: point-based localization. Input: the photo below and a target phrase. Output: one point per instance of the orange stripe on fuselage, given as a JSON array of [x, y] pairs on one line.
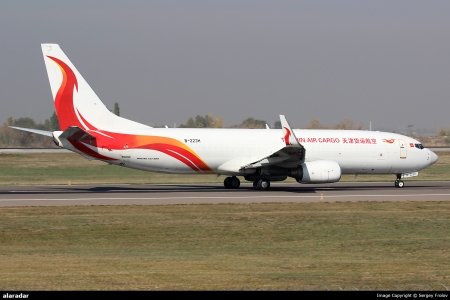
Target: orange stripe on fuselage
[[169, 146]]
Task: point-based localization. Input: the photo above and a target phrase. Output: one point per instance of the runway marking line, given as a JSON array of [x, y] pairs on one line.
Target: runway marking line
[[223, 197]]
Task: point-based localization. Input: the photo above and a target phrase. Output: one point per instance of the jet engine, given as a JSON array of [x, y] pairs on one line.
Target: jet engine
[[319, 171]]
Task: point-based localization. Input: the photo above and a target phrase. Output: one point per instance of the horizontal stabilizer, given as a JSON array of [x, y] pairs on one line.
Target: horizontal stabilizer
[[41, 132]]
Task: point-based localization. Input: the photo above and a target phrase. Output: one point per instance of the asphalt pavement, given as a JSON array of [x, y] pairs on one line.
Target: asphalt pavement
[[162, 194]]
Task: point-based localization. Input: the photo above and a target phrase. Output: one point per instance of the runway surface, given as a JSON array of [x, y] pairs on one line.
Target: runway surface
[[159, 194]]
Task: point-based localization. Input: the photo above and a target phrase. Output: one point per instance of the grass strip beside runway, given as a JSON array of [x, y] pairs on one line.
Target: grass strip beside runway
[[225, 246], [62, 168]]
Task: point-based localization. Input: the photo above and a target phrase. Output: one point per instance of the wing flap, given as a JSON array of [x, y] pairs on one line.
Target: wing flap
[[266, 161]]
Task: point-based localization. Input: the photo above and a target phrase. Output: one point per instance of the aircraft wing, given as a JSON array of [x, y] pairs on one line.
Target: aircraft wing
[[285, 155], [291, 155], [293, 152], [41, 132]]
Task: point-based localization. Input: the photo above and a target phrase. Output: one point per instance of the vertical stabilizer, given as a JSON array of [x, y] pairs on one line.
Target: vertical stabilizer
[[75, 102]]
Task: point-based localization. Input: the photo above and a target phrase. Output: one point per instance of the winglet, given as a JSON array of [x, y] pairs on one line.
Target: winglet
[[289, 136]]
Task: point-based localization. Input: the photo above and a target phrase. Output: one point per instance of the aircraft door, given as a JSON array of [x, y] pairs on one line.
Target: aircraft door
[[403, 149], [126, 157]]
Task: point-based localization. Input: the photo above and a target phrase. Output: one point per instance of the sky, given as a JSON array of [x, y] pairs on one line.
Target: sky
[[384, 62]]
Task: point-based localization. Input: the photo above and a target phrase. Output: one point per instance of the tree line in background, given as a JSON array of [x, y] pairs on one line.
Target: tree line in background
[[211, 121], [444, 132], [344, 125], [15, 138]]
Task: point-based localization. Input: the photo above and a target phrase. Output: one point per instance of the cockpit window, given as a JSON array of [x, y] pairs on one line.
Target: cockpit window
[[420, 146]]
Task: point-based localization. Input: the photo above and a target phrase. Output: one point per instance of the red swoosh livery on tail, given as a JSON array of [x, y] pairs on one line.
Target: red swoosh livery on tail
[[70, 115], [64, 105]]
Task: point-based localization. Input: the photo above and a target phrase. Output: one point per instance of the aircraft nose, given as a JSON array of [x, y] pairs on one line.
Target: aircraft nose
[[433, 157]]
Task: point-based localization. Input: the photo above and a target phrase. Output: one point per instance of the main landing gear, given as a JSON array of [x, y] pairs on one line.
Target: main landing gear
[[262, 184], [398, 182], [232, 182]]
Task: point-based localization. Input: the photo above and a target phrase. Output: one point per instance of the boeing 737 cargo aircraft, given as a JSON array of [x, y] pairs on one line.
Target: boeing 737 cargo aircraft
[[258, 155]]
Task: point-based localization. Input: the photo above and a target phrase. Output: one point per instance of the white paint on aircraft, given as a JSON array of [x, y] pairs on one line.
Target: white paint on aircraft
[[258, 155]]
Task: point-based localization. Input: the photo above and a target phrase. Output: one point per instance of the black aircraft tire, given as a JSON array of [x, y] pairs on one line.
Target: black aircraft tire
[[263, 184], [234, 183], [226, 183]]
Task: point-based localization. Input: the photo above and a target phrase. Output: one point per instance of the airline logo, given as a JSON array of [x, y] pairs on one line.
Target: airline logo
[[69, 115], [287, 136], [391, 141]]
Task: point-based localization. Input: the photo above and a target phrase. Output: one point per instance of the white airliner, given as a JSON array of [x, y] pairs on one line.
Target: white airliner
[[259, 155]]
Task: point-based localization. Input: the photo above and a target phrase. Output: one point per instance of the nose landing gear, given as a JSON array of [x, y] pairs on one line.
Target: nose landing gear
[[398, 182]]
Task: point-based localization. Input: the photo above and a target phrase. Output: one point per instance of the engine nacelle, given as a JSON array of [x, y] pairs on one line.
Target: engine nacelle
[[319, 171]]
